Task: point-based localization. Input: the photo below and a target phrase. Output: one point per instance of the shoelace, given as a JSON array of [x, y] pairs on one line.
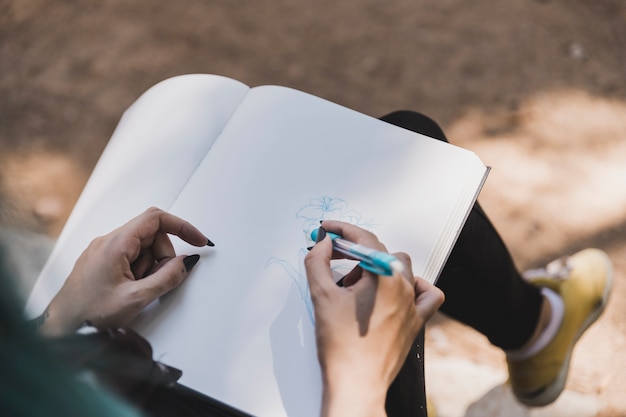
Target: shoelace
[[558, 269]]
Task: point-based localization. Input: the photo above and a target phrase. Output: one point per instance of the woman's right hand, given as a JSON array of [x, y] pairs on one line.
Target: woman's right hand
[[364, 330]]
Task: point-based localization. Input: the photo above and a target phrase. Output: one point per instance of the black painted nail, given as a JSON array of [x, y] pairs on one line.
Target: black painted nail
[[191, 261], [309, 248], [321, 234], [209, 243]]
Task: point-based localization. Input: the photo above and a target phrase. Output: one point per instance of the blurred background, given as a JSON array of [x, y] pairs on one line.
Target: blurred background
[[537, 88]]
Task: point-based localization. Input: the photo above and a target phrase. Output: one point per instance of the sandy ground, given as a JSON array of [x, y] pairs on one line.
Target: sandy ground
[[535, 87]]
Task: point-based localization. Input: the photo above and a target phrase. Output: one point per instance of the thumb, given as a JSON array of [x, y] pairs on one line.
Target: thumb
[[318, 273]]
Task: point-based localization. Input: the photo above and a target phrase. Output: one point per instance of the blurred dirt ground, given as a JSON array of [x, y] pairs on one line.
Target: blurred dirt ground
[[536, 87]]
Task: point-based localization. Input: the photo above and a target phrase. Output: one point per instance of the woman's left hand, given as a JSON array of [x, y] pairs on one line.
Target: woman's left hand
[[122, 272]]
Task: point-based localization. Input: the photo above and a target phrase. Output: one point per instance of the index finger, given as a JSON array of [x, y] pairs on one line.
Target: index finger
[[354, 234], [155, 220]]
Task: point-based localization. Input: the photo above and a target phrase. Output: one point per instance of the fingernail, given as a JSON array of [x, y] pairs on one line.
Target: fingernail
[[209, 243], [191, 261], [309, 248], [321, 234]]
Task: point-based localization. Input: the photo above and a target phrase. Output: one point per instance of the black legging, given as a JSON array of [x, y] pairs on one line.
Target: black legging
[[482, 286]]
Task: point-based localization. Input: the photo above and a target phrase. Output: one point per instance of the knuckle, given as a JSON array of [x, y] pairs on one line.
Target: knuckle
[[319, 294], [403, 256], [369, 238], [441, 297], [152, 215], [153, 211], [311, 257], [184, 226], [136, 298], [96, 243], [175, 280]]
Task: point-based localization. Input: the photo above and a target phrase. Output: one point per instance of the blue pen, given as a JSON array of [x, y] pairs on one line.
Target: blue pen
[[378, 262]]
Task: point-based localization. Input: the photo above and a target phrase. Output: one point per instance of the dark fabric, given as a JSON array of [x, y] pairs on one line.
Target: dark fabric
[[483, 287], [34, 382], [407, 394], [181, 401], [120, 360]]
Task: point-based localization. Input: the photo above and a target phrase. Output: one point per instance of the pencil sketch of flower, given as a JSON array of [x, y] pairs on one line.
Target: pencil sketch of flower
[[310, 215], [324, 208], [299, 279]]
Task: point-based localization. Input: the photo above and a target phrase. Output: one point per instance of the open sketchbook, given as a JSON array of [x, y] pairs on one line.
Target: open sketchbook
[[256, 169]]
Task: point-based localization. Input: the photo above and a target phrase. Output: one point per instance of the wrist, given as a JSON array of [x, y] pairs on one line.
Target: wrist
[[348, 395], [55, 322]]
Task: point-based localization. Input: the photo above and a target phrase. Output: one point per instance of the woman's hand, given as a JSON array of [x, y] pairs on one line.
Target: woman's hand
[[121, 273], [364, 330]]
